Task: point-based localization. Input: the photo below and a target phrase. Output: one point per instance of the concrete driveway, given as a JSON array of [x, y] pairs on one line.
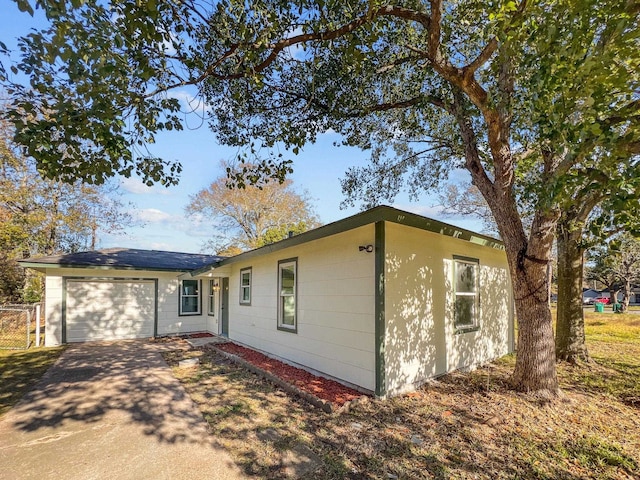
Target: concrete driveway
[[110, 411]]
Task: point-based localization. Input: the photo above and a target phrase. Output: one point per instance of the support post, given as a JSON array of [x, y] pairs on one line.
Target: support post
[[28, 329], [37, 325]]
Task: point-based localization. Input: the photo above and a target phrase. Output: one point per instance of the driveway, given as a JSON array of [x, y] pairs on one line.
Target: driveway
[[110, 411]]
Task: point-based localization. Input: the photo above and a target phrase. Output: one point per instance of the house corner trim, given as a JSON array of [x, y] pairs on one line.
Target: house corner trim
[[380, 326]]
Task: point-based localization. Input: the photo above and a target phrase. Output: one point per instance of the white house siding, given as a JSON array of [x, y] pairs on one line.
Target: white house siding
[[169, 322], [335, 307], [420, 340], [53, 310]]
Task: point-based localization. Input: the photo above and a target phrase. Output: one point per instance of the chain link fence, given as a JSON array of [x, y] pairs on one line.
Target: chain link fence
[[20, 326]]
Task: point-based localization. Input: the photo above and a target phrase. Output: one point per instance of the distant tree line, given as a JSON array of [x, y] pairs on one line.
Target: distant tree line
[[46, 217]]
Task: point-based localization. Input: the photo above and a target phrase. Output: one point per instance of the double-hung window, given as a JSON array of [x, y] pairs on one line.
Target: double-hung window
[[287, 295], [467, 302], [245, 286], [189, 297]]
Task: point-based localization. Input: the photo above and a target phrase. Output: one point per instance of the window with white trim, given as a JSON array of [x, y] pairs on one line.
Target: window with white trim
[[214, 287], [287, 295], [189, 297], [467, 302], [245, 286]]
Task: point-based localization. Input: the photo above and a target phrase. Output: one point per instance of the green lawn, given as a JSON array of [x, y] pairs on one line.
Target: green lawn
[[613, 341], [20, 370]]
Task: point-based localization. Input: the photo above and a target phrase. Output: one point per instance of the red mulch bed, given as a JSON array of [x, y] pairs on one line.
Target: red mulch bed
[[197, 335], [323, 388]]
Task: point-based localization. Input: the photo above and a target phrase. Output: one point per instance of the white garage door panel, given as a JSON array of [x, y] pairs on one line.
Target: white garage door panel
[[109, 310]]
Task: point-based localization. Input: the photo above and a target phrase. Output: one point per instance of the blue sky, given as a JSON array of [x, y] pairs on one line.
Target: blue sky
[[164, 224]]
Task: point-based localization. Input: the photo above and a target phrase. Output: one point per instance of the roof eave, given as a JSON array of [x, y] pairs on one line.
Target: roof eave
[[42, 266], [380, 213]]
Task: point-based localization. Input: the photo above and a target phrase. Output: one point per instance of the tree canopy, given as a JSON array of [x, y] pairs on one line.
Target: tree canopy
[[248, 218], [46, 217], [507, 90]]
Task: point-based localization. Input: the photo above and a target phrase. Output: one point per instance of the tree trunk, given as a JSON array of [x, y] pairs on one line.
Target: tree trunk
[[535, 361], [535, 369], [528, 258], [613, 295], [626, 295], [570, 336], [94, 236]]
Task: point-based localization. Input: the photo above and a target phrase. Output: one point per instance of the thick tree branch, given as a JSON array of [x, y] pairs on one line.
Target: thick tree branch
[[482, 58], [420, 99], [589, 201], [462, 78], [471, 151], [435, 31], [276, 48]]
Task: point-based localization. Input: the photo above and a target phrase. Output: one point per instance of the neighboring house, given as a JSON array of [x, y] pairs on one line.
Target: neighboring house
[[634, 296], [589, 295], [383, 300]]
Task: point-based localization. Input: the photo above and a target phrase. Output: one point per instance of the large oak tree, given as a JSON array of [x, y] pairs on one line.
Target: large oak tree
[[498, 88]]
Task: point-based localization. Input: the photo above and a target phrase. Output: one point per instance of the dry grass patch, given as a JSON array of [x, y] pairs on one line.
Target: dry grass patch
[[464, 425]]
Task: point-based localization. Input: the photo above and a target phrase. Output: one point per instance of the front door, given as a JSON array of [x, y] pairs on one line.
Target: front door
[[224, 307]]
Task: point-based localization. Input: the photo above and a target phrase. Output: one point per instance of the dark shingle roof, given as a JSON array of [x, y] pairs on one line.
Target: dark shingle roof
[[126, 258]]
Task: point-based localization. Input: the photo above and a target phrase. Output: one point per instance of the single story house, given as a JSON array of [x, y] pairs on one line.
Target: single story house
[[589, 295], [634, 295], [383, 300]]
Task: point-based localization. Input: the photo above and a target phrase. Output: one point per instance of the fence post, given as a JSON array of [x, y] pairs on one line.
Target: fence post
[[28, 328], [37, 325]]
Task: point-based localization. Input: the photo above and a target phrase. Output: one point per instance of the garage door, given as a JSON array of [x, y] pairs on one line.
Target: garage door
[[109, 309]]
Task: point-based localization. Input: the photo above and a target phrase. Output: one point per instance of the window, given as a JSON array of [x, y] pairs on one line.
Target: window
[[189, 297], [287, 295], [467, 294], [245, 286], [214, 287]]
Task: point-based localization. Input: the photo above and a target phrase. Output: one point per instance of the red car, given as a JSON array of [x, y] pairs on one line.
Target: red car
[[605, 300]]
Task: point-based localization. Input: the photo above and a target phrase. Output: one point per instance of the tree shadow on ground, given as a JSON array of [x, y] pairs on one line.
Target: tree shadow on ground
[[92, 380], [445, 430]]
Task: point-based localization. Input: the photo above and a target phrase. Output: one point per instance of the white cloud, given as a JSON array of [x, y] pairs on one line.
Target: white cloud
[[189, 102], [153, 215], [162, 246], [134, 185]]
